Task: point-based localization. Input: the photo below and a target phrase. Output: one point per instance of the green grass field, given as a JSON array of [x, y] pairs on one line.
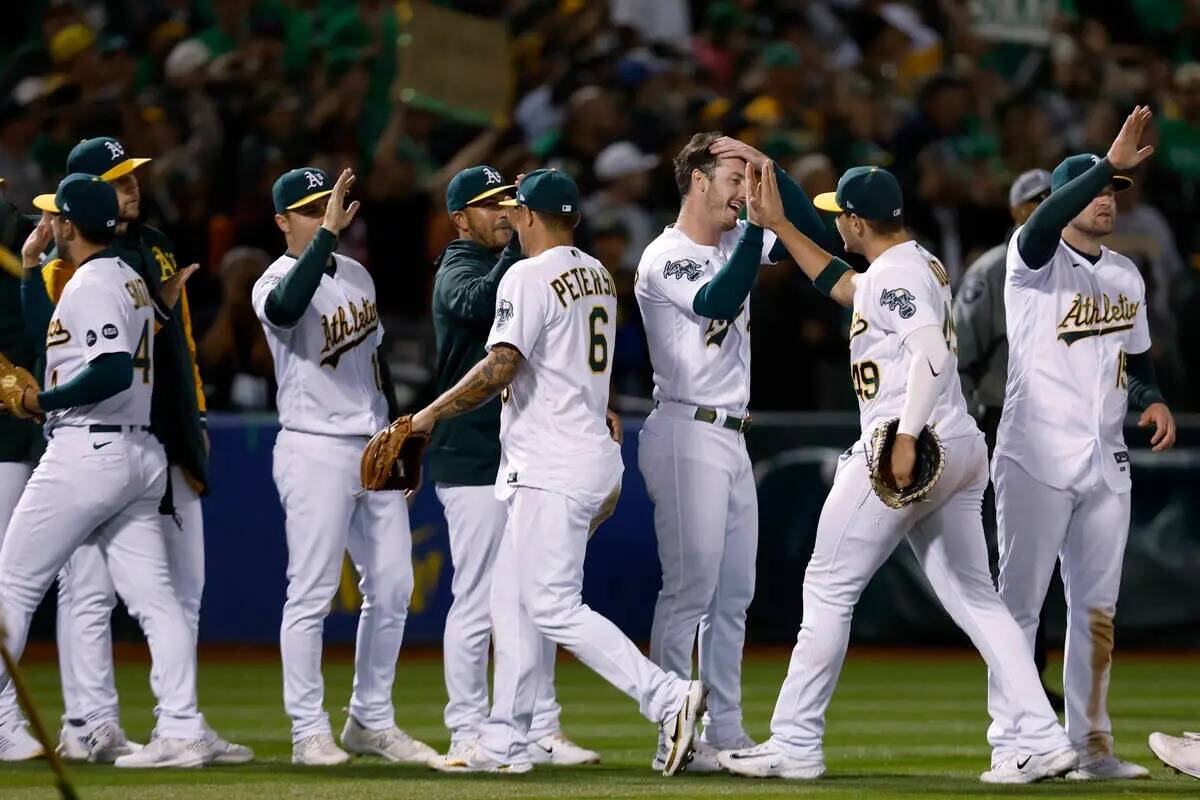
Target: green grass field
[[901, 726]]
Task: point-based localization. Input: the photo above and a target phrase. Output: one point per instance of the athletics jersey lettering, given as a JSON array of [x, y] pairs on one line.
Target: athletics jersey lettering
[[326, 364], [346, 328], [1070, 324], [1089, 316]]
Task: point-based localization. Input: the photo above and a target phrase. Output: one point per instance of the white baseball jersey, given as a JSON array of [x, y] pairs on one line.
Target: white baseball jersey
[[559, 309], [904, 289], [105, 308], [696, 361], [1070, 325], [325, 364]]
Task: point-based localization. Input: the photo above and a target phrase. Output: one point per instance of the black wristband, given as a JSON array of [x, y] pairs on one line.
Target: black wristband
[[829, 276]]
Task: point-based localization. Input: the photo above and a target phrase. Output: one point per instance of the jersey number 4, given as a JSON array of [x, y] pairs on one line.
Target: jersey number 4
[[598, 342], [141, 353]]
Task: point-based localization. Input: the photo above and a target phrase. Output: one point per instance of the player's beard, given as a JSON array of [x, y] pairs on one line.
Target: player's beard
[[1095, 225]]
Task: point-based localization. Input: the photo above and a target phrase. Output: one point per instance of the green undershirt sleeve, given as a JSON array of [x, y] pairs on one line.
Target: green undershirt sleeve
[[1142, 381], [799, 210], [106, 375], [722, 296], [36, 306], [288, 301], [389, 388], [1039, 237]]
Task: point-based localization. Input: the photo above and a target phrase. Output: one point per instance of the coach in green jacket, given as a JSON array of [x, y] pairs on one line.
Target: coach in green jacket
[[464, 457]]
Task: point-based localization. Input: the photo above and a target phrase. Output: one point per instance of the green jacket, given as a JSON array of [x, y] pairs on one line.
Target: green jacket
[[20, 439], [466, 449], [177, 408]]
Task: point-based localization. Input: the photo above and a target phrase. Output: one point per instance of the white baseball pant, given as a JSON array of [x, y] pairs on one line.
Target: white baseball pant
[[1086, 527], [111, 496], [701, 481], [537, 593], [13, 477], [87, 597], [328, 513], [855, 535], [476, 520]]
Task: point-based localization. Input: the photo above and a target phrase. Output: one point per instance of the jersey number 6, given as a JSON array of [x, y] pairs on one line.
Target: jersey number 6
[[598, 343]]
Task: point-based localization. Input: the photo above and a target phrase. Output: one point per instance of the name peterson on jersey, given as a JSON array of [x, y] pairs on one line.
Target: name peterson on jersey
[[559, 310]]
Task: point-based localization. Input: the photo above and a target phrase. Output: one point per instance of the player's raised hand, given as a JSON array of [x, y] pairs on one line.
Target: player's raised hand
[[728, 147], [1163, 421], [36, 243], [338, 215], [764, 206], [172, 287], [1125, 153]]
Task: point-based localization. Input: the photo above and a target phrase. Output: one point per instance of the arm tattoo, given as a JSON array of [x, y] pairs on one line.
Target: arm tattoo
[[485, 380]]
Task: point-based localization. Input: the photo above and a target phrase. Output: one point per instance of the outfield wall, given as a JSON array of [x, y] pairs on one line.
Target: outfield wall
[[794, 459]]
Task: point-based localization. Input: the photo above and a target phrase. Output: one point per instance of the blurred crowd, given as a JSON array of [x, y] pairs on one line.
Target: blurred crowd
[[953, 96]]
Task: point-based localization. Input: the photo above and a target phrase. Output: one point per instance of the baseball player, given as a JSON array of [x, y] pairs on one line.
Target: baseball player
[[902, 365], [319, 313], [1180, 753], [99, 378], [1078, 340], [560, 475], [983, 352], [463, 460], [692, 288], [86, 597], [21, 441]]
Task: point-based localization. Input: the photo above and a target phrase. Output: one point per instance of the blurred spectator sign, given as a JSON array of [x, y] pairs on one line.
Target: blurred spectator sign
[[1020, 21], [454, 63]]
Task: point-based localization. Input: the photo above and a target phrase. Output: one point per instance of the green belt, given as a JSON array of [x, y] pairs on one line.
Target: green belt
[[709, 415]]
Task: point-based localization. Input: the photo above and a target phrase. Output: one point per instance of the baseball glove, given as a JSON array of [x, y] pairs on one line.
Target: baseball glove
[[392, 459], [14, 381], [931, 460]]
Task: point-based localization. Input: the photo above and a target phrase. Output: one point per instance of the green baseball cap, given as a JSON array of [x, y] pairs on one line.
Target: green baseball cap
[[870, 192], [86, 200], [549, 191], [1074, 166], [103, 156], [474, 184], [299, 187]]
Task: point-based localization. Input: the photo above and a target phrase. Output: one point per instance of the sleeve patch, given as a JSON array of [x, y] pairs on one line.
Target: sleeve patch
[[504, 314], [90, 338], [683, 268], [901, 301], [109, 331]]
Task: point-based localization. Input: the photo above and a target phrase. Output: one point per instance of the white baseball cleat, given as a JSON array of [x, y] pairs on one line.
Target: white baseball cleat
[[16, 743], [1029, 768], [681, 729], [392, 743], [318, 750], [473, 760], [1108, 768], [766, 760], [1180, 753], [460, 749], [558, 750], [224, 754], [162, 751], [103, 744], [704, 756]]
